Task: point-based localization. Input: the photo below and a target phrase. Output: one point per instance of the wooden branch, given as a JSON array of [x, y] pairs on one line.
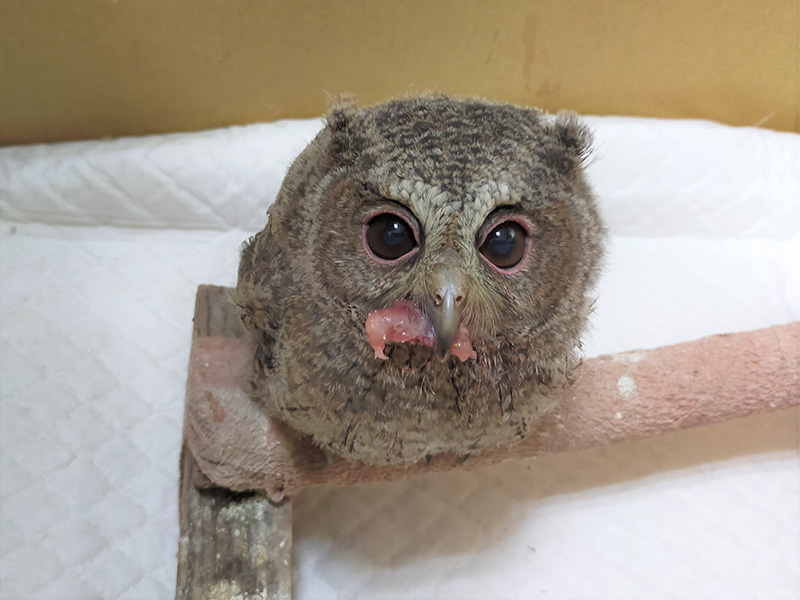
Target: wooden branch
[[623, 396], [231, 545]]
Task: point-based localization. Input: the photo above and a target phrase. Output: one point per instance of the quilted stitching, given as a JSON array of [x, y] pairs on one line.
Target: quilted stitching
[[95, 340], [96, 323], [221, 179]]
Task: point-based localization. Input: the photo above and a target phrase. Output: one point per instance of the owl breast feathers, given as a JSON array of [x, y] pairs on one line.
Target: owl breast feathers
[[466, 234]]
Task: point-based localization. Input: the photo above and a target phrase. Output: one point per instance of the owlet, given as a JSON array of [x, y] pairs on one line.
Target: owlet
[[421, 284]]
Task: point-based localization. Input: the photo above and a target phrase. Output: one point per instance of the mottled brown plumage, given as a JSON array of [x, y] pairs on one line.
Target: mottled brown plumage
[[452, 169]]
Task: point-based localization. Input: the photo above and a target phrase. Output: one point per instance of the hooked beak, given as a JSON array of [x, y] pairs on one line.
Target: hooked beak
[[446, 312]]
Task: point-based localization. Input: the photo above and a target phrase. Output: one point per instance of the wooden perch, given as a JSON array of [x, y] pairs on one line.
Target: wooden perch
[[231, 545], [618, 397]]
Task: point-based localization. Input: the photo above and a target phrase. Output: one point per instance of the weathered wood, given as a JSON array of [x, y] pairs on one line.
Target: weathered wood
[[232, 545], [215, 314]]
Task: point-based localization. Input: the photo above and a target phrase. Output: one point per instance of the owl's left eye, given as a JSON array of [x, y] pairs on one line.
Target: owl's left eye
[[389, 237], [505, 245]]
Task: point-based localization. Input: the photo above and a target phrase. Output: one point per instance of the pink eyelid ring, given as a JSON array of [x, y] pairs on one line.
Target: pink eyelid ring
[[368, 250], [521, 264]]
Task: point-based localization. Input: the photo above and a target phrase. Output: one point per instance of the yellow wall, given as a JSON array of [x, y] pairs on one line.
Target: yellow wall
[[91, 68]]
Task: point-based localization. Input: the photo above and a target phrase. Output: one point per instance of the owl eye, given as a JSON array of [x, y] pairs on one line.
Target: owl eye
[[505, 245], [389, 237]]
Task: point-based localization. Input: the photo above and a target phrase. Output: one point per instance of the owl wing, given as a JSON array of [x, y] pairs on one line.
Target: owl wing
[[264, 270], [257, 294]]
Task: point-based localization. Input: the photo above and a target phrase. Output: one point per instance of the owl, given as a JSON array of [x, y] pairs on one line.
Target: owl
[[423, 280]]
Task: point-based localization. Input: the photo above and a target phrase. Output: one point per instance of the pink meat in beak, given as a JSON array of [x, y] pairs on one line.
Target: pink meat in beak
[[404, 322]]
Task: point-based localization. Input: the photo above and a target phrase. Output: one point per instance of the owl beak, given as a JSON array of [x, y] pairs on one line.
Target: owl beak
[[446, 312]]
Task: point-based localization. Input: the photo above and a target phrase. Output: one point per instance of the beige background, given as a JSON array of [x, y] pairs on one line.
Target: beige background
[[72, 69]]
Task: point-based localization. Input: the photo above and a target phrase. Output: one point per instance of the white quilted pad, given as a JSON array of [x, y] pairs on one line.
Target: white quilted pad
[[103, 244]]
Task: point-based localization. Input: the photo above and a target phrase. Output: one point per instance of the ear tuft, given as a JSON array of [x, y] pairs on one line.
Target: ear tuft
[[342, 112], [341, 121], [574, 137]]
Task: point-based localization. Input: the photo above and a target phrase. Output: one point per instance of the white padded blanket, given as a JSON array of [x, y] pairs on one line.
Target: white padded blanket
[[103, 244]]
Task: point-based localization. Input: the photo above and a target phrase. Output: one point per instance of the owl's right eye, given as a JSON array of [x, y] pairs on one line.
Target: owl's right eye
[[389, 237]]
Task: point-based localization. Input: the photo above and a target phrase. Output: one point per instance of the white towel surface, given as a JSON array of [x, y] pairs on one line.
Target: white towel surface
[[102, 245]]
